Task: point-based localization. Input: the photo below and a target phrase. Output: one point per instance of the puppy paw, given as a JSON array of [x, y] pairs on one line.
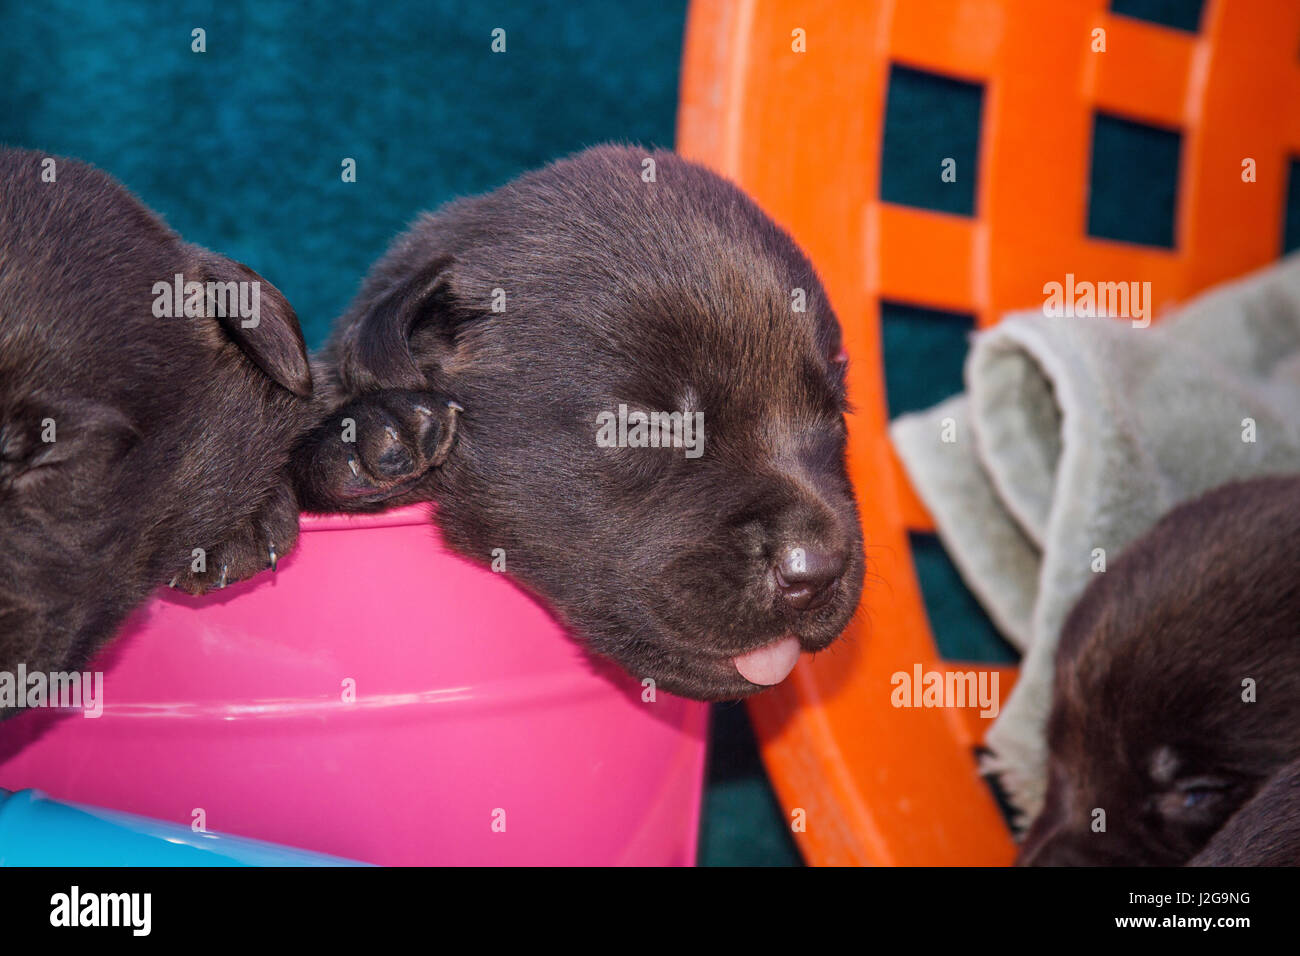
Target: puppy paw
[[257, 546], [374, 449]]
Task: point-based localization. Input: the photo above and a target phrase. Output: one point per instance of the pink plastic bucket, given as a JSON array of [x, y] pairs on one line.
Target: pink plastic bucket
[[479, 734]]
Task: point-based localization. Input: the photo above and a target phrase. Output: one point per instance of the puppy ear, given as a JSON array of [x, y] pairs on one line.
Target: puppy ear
[[381, 338], [270, 336]]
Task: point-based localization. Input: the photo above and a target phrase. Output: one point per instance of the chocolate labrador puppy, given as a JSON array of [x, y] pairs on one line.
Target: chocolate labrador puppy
[[150, 395], [634, 387], [1176, 717]]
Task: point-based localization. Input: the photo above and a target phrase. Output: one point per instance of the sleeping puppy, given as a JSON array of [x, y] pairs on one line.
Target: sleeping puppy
[[638, 388], [145, 429], [1177, 694]]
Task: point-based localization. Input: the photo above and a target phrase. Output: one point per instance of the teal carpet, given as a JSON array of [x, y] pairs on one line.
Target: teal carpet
[[240, 147]]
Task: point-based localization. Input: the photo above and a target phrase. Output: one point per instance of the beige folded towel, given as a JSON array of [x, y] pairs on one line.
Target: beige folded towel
[[1074, 436]]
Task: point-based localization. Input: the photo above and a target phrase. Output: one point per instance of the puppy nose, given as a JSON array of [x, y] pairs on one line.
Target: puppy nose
[[804, 575]]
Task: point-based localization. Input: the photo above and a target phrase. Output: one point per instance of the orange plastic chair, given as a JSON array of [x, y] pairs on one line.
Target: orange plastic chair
[[802, 132]]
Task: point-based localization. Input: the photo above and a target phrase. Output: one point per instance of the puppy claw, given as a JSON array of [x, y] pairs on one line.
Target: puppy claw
[[172, 582], [249, 548], [352, 463], [455, 406]]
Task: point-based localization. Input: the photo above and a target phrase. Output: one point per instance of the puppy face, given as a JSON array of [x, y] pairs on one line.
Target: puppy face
[[1177, 689], [568, 307], [133, 430]]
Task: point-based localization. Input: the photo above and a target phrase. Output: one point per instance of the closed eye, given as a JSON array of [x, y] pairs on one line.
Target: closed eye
[[641, 447], [1199, 801], [1195, 796]]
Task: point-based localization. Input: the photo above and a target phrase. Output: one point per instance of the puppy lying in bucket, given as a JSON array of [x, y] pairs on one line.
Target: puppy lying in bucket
[[1174, 735], [150, 395], [634, 388]]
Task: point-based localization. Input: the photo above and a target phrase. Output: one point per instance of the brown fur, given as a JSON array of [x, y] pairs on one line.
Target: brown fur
[[170, 434], [1265, 831], [1148, 720], [666, 295]]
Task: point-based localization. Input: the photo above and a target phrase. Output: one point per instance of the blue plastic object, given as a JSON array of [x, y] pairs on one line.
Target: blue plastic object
[[38, 831]]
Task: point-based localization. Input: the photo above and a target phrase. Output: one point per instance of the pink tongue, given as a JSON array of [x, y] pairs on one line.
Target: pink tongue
[[771, 663]]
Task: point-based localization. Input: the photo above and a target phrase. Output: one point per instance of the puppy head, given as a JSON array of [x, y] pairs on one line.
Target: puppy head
[[654, 395], [1177, 689], [150, 395]]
